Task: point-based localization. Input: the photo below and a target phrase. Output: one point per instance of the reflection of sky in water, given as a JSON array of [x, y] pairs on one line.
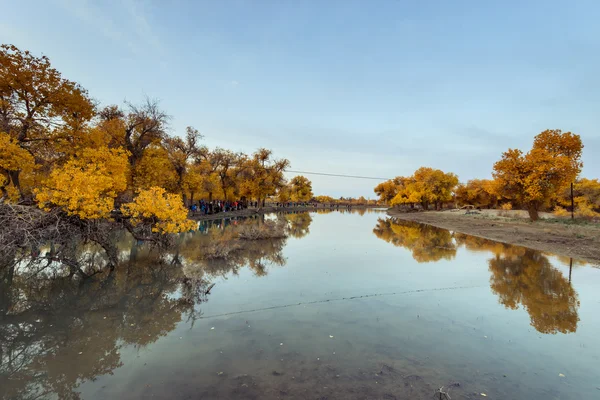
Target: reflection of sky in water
[[444, 324]]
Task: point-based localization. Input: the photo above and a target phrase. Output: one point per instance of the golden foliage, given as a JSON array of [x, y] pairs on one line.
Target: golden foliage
[[298, 224], [283, 194], [12, 156], [529, 279], [426, 243], [426, 186], [325, 199], [521, 276], [478, 192], [535, 178], [300, 189], [201, 180], [163, 211], [87, 185], [155, 169], [262, 175], [586, 196], [387, 190], [35, 97], [181, 153], [43, 112], [561, 212], [13, 159]]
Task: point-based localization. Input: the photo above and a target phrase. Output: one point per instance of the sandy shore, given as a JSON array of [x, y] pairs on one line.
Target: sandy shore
[[579, 241]]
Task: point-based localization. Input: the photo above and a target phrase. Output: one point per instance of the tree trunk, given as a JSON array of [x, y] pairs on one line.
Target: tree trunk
[[14, 178], [191, 198], [224, 189], [4, 192], [532, 209]]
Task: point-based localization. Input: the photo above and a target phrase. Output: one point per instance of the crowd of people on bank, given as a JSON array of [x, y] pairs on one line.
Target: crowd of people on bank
[[217, 206]]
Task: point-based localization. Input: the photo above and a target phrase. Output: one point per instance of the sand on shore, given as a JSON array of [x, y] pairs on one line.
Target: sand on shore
[[577, 240]]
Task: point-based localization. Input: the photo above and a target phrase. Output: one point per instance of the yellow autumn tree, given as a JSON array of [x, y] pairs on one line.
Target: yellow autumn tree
[[283, 194], [263, 175], [155, 169], [182, 153], [13, 158], [136, 128], [478, 192], [87, 185], [528, 279], [300, 189], [586, 196], [386, 191], [298, 224], [325, 199], [39, 109], [535, 178], [425, 187], [199, 181], [163, 212]]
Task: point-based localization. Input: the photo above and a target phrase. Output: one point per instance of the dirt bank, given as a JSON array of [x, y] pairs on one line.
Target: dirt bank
[[577, 240]]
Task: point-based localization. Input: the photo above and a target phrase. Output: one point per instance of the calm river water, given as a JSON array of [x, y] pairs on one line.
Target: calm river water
[[350, 306]]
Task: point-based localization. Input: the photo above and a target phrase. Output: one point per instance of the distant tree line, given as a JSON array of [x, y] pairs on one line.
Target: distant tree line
[[544, 179]]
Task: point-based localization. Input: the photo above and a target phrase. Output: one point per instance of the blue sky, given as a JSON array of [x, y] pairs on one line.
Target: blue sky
[[352, 87]]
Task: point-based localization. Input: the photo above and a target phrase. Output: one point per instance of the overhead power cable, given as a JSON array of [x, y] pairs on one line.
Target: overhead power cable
[[337, 175], [344, 176]]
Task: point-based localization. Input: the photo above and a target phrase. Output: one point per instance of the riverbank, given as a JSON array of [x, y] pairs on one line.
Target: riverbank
[[577, 239], [247, 212]]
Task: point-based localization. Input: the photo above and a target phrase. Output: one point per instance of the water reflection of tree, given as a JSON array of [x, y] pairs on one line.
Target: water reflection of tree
[[519, 276], [57, 332], [298, 224], [353, 210], [219, 252], [530, 279], [427, 243]]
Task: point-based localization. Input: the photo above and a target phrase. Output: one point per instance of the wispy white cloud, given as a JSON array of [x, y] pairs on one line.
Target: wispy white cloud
[[92, 16], [142, 27], [123, 22]]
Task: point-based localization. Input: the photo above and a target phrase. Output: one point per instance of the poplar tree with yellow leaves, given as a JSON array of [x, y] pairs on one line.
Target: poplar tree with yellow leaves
[[42, 112], [300, 189], [478, 192], [89, 166], [535, 178], [86, 186], [427, 186]]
